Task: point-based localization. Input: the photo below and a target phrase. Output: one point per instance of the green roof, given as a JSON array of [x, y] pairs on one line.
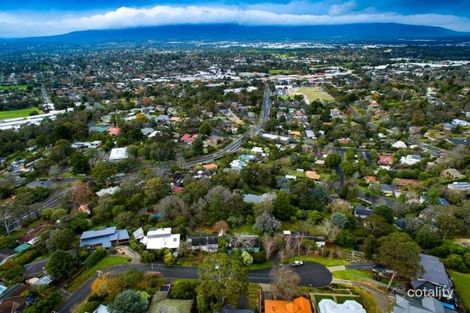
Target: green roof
[[22, 247]]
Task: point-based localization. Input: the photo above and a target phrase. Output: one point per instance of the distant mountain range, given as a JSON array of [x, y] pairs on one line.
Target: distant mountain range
[[232, 32]]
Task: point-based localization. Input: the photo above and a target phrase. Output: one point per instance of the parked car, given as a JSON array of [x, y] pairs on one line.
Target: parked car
[[296, 263]]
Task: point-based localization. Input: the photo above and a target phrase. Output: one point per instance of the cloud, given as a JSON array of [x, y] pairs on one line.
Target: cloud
[[21, 24]]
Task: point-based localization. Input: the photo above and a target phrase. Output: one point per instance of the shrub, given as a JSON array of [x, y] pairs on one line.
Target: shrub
[[95, 257], [183, 289]]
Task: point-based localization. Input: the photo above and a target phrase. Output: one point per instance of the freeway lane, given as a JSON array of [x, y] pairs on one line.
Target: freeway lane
[[311, 274]]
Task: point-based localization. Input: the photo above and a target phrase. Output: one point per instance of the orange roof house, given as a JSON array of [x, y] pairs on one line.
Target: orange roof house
[[312, 175], [210, 167], [298, 305], [114, 131], [370, 179]]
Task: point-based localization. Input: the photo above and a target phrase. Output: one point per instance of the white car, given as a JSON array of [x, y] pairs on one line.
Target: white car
[[296, 263]]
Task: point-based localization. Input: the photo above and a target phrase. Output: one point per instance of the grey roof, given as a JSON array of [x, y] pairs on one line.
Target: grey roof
[[433, 271], [425, 305]]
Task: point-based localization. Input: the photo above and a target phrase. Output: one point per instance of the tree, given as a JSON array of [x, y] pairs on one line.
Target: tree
[[328, 229], [332, 160], [60, 265], [222, 279], [60, 239], [386, 212], [400, 253], [247, 259], [130, 301], [369, 246], [205, 128], [155, 189], [282, 207], [427, 238], [284, 283], [81, 193], [339, 220], [79, 163], [183, 289], [198, 147], [102, 171], [106, 286], [266, 224]]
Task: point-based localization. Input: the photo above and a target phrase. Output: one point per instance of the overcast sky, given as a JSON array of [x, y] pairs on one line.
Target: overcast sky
[[21, 18]]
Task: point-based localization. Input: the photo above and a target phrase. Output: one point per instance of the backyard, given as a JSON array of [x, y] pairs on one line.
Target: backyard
[[462, 281]]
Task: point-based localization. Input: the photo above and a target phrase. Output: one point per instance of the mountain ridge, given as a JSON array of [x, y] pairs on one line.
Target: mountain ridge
[[236, 32]]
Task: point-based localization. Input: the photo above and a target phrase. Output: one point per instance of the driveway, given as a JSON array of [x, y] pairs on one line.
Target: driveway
[[311, 274]]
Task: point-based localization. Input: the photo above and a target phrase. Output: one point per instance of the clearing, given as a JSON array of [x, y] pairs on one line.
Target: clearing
[[18, 113], [311, 94]]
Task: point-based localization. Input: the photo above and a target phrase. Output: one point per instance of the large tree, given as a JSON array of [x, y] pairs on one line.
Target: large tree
[[222, 279], [400, 253], [266, 224], [130, 301], [285, 283], [60, 265]]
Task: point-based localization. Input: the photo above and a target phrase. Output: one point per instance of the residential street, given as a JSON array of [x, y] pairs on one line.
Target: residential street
[[311, 274]]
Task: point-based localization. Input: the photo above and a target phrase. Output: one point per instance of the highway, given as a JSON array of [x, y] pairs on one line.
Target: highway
[[233, 146]]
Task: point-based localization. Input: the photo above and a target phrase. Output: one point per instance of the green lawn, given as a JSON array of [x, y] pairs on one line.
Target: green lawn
[[108, 261], [312, 94], [17, 113], [352, 274], [267, 264], [244, 229], [462, 283], [13, 87], [319, 259]]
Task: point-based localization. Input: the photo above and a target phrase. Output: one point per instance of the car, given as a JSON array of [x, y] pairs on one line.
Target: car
[[296, 263]]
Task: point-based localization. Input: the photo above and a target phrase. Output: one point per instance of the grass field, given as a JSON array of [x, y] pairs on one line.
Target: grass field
[[462, 283], [101, 265], [280, 72], [244, 229], [13, 87], [311, 94], [321, 260], [352, 274], [17, 113]]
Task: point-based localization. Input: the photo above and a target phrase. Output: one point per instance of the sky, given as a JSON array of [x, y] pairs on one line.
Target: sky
[[25, 18]]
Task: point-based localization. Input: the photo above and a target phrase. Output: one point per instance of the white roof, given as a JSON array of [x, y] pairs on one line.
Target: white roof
[[162, 238], [108, 191], [399, 145], [101, 309], [349, 306], [118, 154]]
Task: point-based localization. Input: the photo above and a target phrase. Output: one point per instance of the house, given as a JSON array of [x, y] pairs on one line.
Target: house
[[298, 305], [370, 179], [256, 199], [410, 159], [458, 122], [189, 139], [404, 182], [361, 211], [87, 145], [423, 305], [310, 134], [385, 160], [118, 154], [101, 309], [348, 306], [345, 141], [312, 175], [12, 301], [5, 254], [387, 190], [108, 191], [434, 277], [459, 186], [204, 243], [210, 167], [452, 173], [161, 238], [114, 131], [138, 234], [104, 237], [399, 145]]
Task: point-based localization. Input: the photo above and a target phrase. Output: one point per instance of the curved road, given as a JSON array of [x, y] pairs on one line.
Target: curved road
[[311, 274]]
